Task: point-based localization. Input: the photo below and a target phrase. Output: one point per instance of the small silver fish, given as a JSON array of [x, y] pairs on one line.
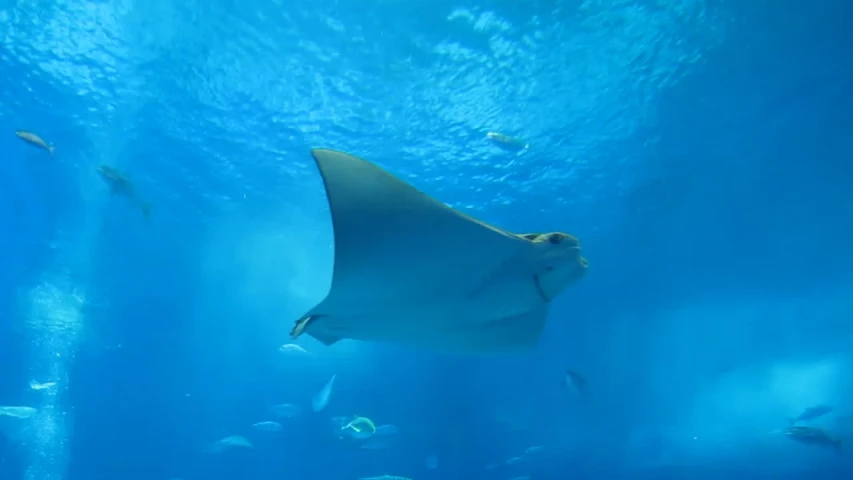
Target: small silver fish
[[18, 412], [267, 426], [387, 430], [574, 381], [41, 385], [292, 349], [533, 449], [321, 399], [228, 443], [35, 141]]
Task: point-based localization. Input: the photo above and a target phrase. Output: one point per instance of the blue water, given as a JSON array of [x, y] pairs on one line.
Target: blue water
[[699, 149]]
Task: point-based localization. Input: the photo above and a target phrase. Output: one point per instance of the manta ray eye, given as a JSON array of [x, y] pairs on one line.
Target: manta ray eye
[[555, 239]]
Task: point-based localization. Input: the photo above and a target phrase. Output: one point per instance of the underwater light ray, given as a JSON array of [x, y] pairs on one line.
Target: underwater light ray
[[54, 323]]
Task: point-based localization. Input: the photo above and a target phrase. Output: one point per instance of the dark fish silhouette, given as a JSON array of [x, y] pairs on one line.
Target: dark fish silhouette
[[811, 413], [813, 436], [120, 184]]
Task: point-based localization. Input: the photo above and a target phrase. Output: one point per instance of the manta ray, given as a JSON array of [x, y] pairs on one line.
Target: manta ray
[[413, 271]]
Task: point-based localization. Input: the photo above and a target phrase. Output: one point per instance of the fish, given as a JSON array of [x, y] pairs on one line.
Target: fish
[[321, 399], [35, 141], [813, 436], [285, 410], [120, 184], [387, 430], [574, 381], [413, 271], [267, 426], [507, 142], [292, 349], [811, 413], [17, 412], [514, 460], [533, 449], [34, 385], [360, 428], [228, 443]]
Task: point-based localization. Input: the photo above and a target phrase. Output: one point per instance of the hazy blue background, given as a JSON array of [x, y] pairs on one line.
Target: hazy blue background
[[701, 150]]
